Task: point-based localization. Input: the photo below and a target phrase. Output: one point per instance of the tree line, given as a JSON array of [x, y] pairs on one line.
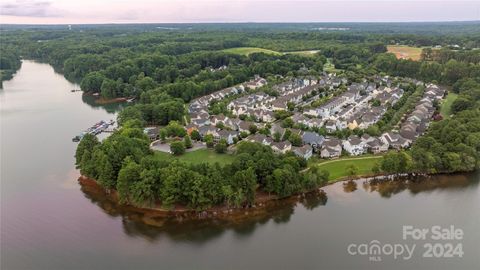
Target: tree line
[[124, 162]]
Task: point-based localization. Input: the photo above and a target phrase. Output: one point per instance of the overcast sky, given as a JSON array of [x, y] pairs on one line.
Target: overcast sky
[[178, 11]]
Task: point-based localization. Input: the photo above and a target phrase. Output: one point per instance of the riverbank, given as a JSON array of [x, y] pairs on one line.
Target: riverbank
[[98, 100], [263, 201], [104, 101]]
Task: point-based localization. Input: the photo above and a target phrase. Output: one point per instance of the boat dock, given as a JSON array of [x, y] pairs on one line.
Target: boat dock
[[97, 128]]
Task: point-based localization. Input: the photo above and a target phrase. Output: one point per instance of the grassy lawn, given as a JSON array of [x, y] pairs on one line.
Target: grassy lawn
[[446, 107], [249, 50], [405, 52], [338, 167], [329, 66], [303, 53], [198, 156]]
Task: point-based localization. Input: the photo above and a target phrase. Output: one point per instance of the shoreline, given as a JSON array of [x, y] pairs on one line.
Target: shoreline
[[104, 101], [263, 201]]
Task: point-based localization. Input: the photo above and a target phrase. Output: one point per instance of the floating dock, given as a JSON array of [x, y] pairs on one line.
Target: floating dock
[[97, 128]]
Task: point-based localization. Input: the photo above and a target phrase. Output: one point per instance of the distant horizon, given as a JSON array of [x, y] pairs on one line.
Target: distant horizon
[[252, 22], [64, 12]]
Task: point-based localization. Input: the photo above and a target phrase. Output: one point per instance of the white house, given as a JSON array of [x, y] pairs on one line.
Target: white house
[[354, 146]]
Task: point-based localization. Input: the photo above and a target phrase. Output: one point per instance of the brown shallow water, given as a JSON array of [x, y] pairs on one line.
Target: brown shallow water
[[49, 221]]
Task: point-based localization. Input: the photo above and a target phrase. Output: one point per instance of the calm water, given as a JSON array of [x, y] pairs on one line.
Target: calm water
[[49, 222]]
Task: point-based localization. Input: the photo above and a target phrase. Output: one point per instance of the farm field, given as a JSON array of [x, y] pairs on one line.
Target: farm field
[[405, 52]]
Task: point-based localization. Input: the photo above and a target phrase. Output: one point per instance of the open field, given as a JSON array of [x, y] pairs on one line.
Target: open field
[[446, 107], [198, 156], [250, 50], [304, 53], [405, 52], [337, 168], [329, 66]]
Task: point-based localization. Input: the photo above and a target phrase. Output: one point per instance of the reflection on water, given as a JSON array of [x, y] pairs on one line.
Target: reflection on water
[[387, 188], [349, 186], [138, 222], [48, 222], [110, 107], [146, 224]]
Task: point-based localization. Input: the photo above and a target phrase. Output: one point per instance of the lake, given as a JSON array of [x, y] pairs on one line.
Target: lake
[[48, 221]]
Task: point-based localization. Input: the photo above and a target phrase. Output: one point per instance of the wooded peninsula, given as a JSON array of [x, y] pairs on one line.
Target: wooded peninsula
[[273, 103]]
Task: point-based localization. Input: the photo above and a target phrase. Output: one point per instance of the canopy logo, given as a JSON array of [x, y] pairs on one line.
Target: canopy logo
[[438, 242], [375, 250]]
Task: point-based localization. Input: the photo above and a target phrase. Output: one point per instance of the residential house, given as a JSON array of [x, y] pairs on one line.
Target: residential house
[[152, 133], [277, 128], [354, 145], [260, 138], [314, 123], [305, 151], [281, 147], [331, 148], [331, 126], [313, 139], [228, 135], [217, 119], [395, 140], [205, 130], [341, 123], [244, 126], [256, 82], [376, 146]]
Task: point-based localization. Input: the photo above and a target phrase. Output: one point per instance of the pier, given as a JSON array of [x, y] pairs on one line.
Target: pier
[[97, 128]]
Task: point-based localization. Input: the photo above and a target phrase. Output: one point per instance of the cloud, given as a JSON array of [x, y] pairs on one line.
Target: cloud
[[29, 8]]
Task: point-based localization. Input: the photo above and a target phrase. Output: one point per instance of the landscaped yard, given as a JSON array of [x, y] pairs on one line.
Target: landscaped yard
[[198, 156], [249, 50], [338, 167], [446, 107], [405, 52]]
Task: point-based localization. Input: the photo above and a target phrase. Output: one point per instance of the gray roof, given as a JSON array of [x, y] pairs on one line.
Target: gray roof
[[312, 138]]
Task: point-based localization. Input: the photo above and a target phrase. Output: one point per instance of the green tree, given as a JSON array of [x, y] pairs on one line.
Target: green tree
[[295, 139], [87, 166], [177, 148], [104, 167], [163, 135], [195, 135], [352, 170], [376, 168], [175, 129], [221, 146], [245, 181], [209, 140], [277, 136], [87, 143], [287, 122], [461, 104], [188, 142], [129, 174], [252, 129]]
